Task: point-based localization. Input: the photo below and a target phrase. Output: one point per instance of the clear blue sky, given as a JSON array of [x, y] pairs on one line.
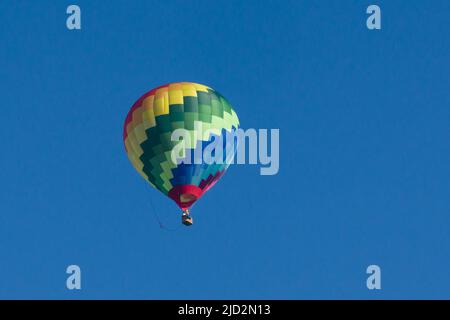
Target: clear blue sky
[[364, 171]]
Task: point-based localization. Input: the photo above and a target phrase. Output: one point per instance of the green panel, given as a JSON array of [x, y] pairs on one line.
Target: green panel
[[190, 104], [216, 108], [204, 108], [178, 124], [157, 149], [176, 116], [163, 123], [204, 117], [176, 108], [226, 106], [203, 98], [189, 118]]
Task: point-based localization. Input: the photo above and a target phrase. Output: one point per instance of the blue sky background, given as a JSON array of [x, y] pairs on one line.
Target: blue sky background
[[364, 151]]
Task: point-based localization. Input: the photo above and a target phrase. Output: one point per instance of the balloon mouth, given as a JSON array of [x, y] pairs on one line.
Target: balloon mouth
[[185, 195]]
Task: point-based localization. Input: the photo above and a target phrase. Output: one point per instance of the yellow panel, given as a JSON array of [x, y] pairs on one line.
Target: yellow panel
[[129, 127], [161, 102], [175, 86], [139, 131], [149, 123], [175, 97], [148, 102], [200, 87], [149, 116], [161, 92], [135, 146], [159, 106], [166, 103], [189, 90], [137, 116], [137, 164], [130, 147]]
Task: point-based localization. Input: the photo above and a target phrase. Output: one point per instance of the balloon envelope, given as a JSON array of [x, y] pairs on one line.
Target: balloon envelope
[[204, 115]]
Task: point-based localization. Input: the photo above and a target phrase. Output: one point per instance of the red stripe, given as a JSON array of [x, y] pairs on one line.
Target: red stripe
[[176, 192]]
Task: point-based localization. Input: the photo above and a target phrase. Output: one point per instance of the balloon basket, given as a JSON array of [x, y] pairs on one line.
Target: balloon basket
[[187, 220]]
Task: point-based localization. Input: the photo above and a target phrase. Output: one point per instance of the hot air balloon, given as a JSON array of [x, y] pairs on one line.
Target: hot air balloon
[[148, 138]]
